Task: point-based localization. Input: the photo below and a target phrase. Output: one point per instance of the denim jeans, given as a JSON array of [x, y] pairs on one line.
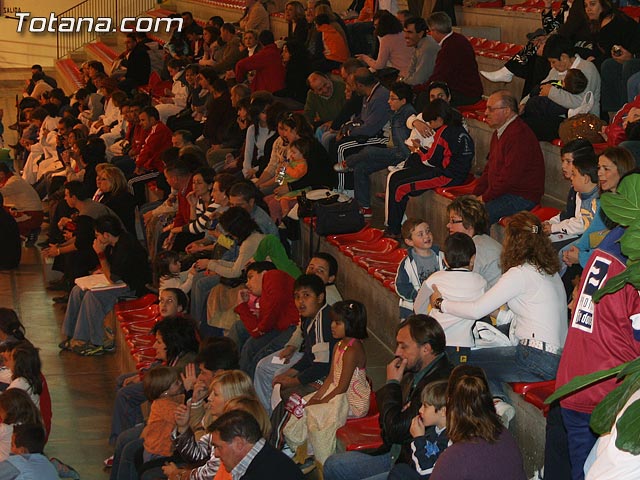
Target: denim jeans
[[255, 349], [356, 465], [506, 205], [514, 364], [126, 408], [367, 161], [581, 440], [614, 82], [265, 372], [128, 444], [200, 288]]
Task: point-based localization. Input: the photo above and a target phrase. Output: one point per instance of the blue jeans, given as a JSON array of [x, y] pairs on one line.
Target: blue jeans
[[200, 288], [506, 205], [128, 444], [367, 161], [514, 364], [255, 349], [581, 440], [126, 409], [86, 310], [356, 465], [615, 77]]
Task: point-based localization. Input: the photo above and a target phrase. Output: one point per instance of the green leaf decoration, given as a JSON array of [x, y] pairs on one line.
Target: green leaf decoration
[[630, 368], [630, 241], [582, 381], [614, 284], [623, 207], [629, 429], [605, 412]]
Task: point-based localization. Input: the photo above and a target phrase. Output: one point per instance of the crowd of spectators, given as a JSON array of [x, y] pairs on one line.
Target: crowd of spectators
[[178, 173]]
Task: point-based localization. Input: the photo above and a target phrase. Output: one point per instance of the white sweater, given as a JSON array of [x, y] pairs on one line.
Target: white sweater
[[537, 305]]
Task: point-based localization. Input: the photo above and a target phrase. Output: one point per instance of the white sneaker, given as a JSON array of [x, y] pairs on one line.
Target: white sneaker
[[394, 168], [502, 75], [341, 167], [505, 411]]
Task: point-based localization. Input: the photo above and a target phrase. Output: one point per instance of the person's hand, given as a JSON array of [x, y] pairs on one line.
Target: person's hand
[[98, 246], [202, 264], [283, 377], [193, 247], [281, 190], [545, 89], [52, 251], [168, 242], [200, 391], [325, 126], [131, 380], [62, 222], [416, 146], [146, 218], [313, 401], [571, 256], [395, 369], [417, 428], [182, 417], [170, 469], [435, 295], [243, 296], [620, 54], [479, 198], [287, 352], [286, 382], [423, 128], [546, 228], [192, 198], [189, 376], [250, 173], [175, 230]]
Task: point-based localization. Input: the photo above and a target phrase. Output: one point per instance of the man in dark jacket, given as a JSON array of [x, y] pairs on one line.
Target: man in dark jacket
[[138, 65], [420, 360], [239, 444]]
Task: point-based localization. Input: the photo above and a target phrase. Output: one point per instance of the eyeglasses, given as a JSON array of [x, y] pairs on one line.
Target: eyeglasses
[[492, 109], [395, 99], [451, 220]]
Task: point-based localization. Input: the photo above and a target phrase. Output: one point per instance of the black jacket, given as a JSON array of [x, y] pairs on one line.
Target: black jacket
[[395, 420]]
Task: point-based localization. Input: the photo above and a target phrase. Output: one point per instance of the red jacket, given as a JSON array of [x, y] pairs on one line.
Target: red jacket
[[277, 310], [515, 165], [270, 73], [456, 65], [158, 140]]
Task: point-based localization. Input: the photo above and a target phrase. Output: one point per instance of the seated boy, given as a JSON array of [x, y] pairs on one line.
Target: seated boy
[[460, 283], [26, 460], [569, 224], [429, 432], [420, 263]]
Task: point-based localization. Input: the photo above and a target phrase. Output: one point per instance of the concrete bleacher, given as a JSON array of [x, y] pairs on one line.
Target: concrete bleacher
[[514, 25]]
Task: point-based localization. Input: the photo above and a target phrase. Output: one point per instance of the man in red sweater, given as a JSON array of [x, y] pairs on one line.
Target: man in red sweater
[[157, 141], [268, 321], [513, 178], [270, 72], [455, 63]]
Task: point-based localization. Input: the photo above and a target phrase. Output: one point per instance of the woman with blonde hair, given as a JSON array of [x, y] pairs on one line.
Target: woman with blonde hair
[[536, 316], [482, 448], [114, 193], [225, 386]]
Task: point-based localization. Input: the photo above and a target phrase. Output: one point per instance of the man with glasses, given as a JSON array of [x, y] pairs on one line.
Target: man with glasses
[[513, 178], [467, 215], [424, 54]]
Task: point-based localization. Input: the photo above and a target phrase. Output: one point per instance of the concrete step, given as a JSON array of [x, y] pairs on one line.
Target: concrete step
[[513, 25]]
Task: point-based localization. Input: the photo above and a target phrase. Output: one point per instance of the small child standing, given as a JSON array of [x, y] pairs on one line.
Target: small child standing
[[345, 392], [168, 272], [421, 262], [163, 388], [429, 432], [460, 283]]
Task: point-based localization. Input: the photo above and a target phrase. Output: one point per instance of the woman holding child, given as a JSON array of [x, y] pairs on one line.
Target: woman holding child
[[537, 308]]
